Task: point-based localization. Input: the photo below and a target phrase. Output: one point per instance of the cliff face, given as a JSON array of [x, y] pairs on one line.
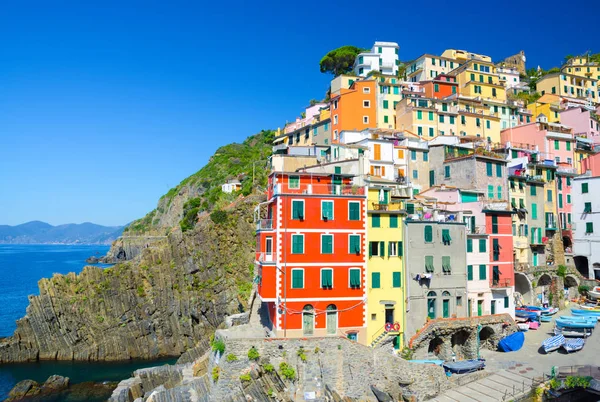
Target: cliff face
[[177, 290]]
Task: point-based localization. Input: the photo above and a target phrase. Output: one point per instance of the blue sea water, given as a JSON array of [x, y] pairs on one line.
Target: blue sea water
[[21, 267]]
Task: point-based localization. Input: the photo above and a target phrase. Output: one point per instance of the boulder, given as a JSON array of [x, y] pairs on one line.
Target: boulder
[[24, 389], [56, 383]]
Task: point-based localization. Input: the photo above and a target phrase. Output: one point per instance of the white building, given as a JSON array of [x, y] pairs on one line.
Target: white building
[[586, 225], [383, 57], [231, 186]]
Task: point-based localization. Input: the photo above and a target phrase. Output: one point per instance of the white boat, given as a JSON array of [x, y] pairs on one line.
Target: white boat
[[523, 327], [554, 343], [572, 332], [573, 345], [594, 294]]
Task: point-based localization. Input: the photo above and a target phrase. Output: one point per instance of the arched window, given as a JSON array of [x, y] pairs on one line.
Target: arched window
[[445, 304], [332, 319], [431, 296], [308, 320]]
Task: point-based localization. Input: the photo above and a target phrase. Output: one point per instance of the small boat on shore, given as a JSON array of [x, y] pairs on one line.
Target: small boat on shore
[[534, 325], [572, 332], [523, 327], [590, 307], [512, 343], [573, 345], [428, 361], [594, 294], [530, 315], [464, 366], [553, 343], [562, 323], [545, 318], [579, 318]]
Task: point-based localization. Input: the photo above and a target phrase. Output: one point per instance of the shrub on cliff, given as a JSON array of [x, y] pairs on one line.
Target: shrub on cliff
[[219, 216]]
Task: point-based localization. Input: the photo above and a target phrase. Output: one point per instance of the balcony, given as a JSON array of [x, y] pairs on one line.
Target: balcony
[[320, 189], [550, 225], [496, 205], [264, 257], [264, 224], [477, 230], [554, 134], [500, 283], [395, 206], [567, 171]]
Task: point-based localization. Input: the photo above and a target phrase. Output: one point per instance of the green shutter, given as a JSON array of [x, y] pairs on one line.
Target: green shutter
[[489, 170], [294, 182], [589, 227], [499, 192], [482, 246], [533, 190], [375, 220], [354, 244], [354, 211], [447, 171], [446, 239], [375, 280], [297, 244], [393, 221], [410, 208], [297, 209], [495, 224], [371, 248], [469, 272], [505, 301], [400, 249], [297, 279], [428, 234], [446, 264], [326, 278], [355, 278], [587, 209], [396, 281], [429, 263], [482, 272], [385, 104], [327, 244], [490, 191], [496, 250], [327, 210], [556, 145], [382, 249], [534, 211], [469, 245], [584, 188], [549, 195], [560, 201], [498, 170]]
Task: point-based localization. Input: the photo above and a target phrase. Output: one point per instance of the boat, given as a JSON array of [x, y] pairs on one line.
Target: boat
[[594, 294], [531, 315], [573, 345], [587, 307], [575, 324], [585, 312], [523, 327], [572, 332], [512, 343], [551, 311], [534, 325], [528, 313], [554, 343], [545, 318], [589, 318], [464, 366], [428, 361], [595, 317]]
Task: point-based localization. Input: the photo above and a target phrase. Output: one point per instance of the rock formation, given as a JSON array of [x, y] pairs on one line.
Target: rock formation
[[175, 293]]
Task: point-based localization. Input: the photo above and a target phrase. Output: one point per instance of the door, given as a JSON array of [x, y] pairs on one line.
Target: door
[[469, 307], [480, 307], [535, 259], [493, 307], [308, 320], [446, 308], [431, 308], [332, 319], [431, 178], [269, 249], [389, 315]]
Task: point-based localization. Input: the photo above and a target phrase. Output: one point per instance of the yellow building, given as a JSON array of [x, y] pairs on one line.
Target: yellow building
[[427, 117], [570, 85], [548, 105], [385, 265], [477, 119], [389, 94], [518, 202]]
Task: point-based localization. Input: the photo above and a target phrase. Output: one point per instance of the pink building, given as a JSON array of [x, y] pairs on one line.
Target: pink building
[[591, 163], [564, 182], [553, 141], [583, 121]]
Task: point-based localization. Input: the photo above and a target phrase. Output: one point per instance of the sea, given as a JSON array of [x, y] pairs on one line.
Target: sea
[[21, 267]]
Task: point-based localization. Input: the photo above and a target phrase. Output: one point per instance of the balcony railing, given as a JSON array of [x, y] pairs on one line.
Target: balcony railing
[[501, 283], [380, 206], [264, 257], [320, 189], [264, 224], [478, 229]]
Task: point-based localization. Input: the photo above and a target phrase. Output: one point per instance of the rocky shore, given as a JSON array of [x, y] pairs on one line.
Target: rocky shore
[[57, 388]]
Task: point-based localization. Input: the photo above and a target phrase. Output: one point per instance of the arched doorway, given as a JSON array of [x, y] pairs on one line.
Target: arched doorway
[[567, 243], [581, 263], [486, 337], [332, 319], [435, 346], [431, 296], [308, 320], [545, 280], [460, 344], [542, 290], [445, 304], [571, 286], [523, 289]]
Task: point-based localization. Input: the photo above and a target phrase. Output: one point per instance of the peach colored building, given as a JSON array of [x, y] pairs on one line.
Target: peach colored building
[[354, 108]]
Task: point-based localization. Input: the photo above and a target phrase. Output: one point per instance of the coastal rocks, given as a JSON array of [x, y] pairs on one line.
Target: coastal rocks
[[150, 307], [92, 260], [28, 389]]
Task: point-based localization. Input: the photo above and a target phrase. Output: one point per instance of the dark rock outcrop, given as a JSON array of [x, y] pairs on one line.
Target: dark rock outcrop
[[29, 390], [174, 294]]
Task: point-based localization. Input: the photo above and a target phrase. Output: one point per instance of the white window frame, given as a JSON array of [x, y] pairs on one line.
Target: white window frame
[[394, 247], [332, 209], [299, 182], [332, 243], [366, 104], [335, 119], [292, 208], [292, 244], [350, 251], [335, 104], [378, 250], [321, 277], [359, 275], [365, 119], [303, 278], [359, 210], [366, 90]]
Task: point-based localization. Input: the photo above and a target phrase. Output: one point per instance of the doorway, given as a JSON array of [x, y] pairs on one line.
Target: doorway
[[332, 318], [308, 320], [269, 249], [389, 315], [479, 308], [493, 307]]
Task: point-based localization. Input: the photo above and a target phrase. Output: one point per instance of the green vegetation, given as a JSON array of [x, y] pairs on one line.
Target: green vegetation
[[577, 382], [140, 291], [141, 225], [583, 289], [216, 371], [340, 60], [219, 216], [253, 354], [190, 214], [269, 368], [561, 271], [218, 345], [270, 392], [407, 353], [246, 377], [302, 354], [287, 371], [554, 384], [231, 357]]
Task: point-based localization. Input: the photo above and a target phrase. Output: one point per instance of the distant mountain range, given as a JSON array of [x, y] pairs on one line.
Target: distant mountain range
[[36, 232]]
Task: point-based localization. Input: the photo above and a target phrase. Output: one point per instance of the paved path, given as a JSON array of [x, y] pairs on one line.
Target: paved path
[[519, 369]]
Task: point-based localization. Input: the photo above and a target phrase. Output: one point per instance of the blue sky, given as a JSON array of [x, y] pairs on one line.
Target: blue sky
[[105, 106]]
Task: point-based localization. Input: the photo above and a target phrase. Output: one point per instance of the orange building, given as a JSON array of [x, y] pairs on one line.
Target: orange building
[[354, 108], [441, 86], [311, 255]]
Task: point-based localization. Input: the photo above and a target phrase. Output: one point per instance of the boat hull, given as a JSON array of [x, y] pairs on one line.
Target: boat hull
[[465, 366]]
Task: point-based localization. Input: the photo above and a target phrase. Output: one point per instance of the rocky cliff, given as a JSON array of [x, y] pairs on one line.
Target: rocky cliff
[[173, 294]]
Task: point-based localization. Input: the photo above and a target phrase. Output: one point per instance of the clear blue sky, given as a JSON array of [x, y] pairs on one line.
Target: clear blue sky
[[105, 107]]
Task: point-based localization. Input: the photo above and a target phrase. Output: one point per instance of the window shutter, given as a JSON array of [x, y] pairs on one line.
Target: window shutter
[[382, 249], [469, 272], [526, 230], [400, 249], [375, 280], [495, 224], [496, 250], [428, 234], [505, 301], [473, 224], [389, 249], [410, 208], [469, 245], [429, 263], [396, 281], [370, 249], [482, 246], [383, 170], [482, 272]]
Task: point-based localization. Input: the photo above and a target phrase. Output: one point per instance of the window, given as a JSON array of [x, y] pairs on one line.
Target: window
[[469, 272], [494, 224], [446, 268], [375, 221], [354, 211], [499, 192], [498, 170], [587, 208], [429, 263], [297, 278], [354, 278], [446, 239], [496, 250], [392, 249], [488, 125], [482, 272], [385, 119], [584, 188], [396, 280], [469, 245], [556, 145], [375, 280], [568, 198], [489, 169], [560, 200], [490, 191], [425, 156], [430, 116], [294, 182], [482, 246], [451, 119], [326, 244], [366, 90], [297, 244], [327, 210], [447, 172], [376, 249], [428, 233], [413, 155], [415, 174], [366, 104], [532, 190], [549, 195], [297, 209], [568, 146], [419, 115], [327, 278], [366, 119], [589, 227], [393, 221], [463, 119], [505, 301], [521, 203], [534, 211], [353, 244], [436, 87]]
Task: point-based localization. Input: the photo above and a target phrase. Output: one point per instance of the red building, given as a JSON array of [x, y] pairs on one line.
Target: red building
[[498, 223], [311, 255], [440, 87]]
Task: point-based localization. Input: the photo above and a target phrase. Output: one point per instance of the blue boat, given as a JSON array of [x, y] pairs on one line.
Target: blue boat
[[579, 318], [531, 315], [575, 324], [430, 361], [596, 317], [585, 312], [512, 343], [573, 345], [545, 318], [464, 366], [554, 343]]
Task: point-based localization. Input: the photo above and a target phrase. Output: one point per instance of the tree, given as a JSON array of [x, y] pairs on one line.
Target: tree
[[340, 60]]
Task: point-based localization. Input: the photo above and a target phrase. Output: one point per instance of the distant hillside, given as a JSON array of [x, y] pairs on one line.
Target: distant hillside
[[37, 232]]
